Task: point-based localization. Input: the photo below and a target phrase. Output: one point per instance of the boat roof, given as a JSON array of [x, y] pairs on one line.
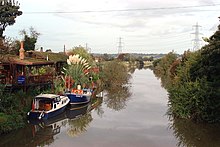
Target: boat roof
[[49, 96]]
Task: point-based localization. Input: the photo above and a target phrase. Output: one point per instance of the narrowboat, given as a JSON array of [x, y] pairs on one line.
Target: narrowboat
[[45, 106], [81, 96]]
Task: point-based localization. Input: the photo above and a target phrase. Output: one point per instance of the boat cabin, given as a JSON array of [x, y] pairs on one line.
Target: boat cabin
[[46, 102]]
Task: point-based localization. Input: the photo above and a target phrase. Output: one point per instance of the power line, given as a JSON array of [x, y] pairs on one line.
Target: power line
[[121, 10]]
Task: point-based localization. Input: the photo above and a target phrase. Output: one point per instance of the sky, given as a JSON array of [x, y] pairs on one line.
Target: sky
[[144, 26]]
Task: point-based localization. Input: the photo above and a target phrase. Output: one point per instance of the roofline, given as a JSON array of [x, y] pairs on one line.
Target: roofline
[[32, 63], [42, 96]]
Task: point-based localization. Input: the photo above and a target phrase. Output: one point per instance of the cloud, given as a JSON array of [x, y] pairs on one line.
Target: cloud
[[126, 20], [144, 24]]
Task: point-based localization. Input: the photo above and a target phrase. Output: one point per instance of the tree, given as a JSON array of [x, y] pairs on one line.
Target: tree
[[82, 52], [121, 57], [9, 10], [115, 73], [195, 92], [162, 68], [9, 46], [107, 57], [30, 38]]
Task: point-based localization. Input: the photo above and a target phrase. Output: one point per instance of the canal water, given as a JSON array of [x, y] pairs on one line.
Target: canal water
[[133, 115]]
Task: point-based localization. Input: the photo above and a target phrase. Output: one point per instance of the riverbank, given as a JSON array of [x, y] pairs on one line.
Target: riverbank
[[13, 110], [14, 106], [128, 116]]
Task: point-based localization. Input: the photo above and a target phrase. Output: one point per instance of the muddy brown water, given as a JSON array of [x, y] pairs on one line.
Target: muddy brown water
[[130, 116]]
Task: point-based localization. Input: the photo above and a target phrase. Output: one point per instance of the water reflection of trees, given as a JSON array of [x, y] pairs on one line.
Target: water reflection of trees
[[116, 76], [117, 96], [78, 126], [131, 69], [28, 137], [192, 134], [96, 106]]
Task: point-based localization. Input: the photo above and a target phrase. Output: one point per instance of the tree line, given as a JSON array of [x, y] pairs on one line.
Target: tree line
[[193, 81]]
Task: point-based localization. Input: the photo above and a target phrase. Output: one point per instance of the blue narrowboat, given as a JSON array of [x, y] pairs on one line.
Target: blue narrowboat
[[79, 96], [45, 106]]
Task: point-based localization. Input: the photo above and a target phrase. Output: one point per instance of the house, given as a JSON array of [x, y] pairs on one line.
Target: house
[[30, 69]]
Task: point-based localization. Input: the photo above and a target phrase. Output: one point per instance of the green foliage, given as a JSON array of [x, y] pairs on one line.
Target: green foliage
[[40, 70], [193, 82], [189, 60], [148, 58], [9, 46], [156, 62], [107, 57], [29, 43], [13, 109], [162, 68], [11, 113], [59, 85], [114, 73], [192, 95], [191, 100], [1, 90], [82, 52], [10, 122], [30, 39], [77, 70], [8, 104], [9, 11]]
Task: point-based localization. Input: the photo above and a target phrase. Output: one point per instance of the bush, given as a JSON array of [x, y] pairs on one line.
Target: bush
[[193, 82], [114, 72], [13, 110], [10, 122]]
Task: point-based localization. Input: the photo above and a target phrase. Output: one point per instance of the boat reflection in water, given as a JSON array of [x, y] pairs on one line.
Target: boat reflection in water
[[48, 127], [79, 119], [76, 119]]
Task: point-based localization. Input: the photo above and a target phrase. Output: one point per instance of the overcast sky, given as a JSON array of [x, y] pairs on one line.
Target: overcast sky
[[145, 26]]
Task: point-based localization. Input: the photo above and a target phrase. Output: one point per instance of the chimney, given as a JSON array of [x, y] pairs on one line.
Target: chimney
[[41, 49], [21, 51], [64, 49]]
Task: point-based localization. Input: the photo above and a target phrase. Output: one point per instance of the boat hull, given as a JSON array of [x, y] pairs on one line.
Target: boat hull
[[45, 114], [78, 98]]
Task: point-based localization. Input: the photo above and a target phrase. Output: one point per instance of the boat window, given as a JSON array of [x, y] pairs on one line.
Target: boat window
[[54, 106], [57, 99]]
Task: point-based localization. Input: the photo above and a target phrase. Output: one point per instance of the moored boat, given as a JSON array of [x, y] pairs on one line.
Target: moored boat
[[79, 96], [45, 106]]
